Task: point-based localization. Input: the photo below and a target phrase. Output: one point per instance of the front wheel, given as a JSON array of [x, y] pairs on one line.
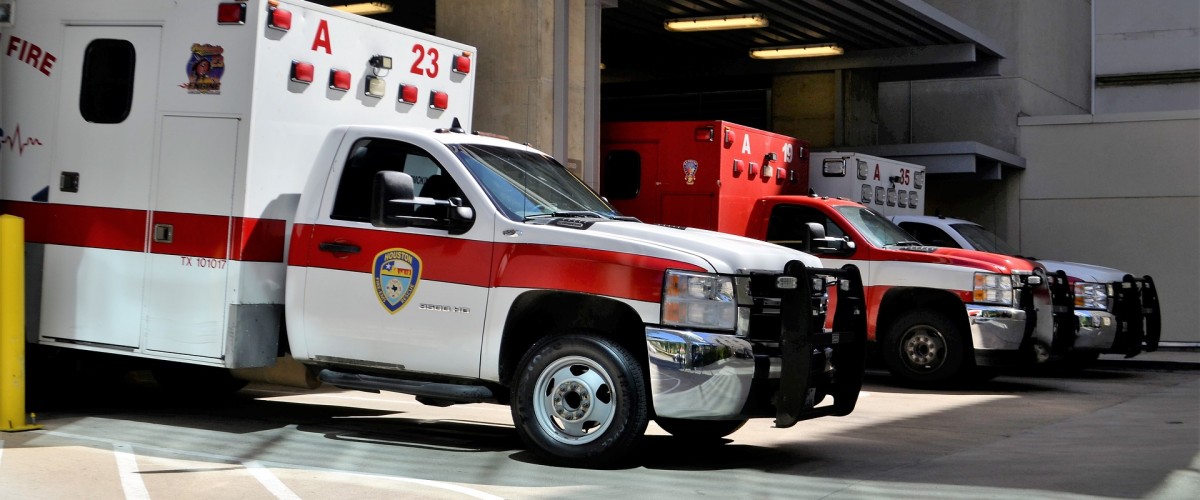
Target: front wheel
[[925, 347], [580, 398]]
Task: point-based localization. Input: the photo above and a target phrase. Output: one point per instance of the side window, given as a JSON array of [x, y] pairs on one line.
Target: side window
[[929, 235], [369, 156], [789, 226], [622, 175], [106, 92]]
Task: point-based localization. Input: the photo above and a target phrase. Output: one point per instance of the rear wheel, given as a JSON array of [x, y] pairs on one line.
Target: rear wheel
[[580, 398], [925, 347], [699, 430]]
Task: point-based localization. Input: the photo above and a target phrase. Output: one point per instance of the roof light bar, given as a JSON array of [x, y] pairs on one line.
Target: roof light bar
[[713, 23], [818, 50]]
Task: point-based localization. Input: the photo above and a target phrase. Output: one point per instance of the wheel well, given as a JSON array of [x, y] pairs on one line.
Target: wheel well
[[543, 313], [897, 302]]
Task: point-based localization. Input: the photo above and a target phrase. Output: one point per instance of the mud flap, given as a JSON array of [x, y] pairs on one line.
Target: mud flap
[[803, 341]]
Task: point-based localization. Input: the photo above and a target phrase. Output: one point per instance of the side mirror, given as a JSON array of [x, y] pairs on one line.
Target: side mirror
[[393, 205], [833, 245], [392, 199]]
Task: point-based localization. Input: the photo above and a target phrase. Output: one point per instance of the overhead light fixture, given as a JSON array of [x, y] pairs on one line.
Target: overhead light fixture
[[713, 23], [365, 8], [824, 49]]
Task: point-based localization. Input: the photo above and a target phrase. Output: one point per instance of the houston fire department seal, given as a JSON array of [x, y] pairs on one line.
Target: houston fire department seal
[[397, 272], [689, 171]]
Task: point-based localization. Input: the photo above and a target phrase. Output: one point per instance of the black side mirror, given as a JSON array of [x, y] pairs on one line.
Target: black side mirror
[[392, 199], [393, 205]]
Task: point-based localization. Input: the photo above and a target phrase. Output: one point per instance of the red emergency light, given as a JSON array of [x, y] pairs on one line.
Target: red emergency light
[[302, 72], [408, 94], [231, 13], [339, 79], [280, 19], [439, 100], [705, 134], [462, 63], [728, 137]]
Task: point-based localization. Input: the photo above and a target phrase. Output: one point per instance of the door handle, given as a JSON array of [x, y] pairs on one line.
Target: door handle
[[333, 247], [164, 233]]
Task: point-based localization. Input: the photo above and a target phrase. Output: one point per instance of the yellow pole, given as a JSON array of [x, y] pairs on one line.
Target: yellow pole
[[12, 325]]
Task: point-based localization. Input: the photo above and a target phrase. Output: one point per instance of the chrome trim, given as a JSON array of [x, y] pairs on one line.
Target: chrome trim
[[996, 327], [698, 375], [1097, 329]]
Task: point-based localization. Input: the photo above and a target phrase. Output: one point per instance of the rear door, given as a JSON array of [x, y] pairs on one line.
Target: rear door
[[95, 262]]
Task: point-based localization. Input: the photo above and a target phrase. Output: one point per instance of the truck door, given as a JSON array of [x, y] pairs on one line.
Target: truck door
[[630, 179], [399, 298], [788, 226], [94, 274]]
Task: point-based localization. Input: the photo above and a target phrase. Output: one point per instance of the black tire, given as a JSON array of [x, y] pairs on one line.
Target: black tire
[[699, 430], [926, 348], [580, 400]]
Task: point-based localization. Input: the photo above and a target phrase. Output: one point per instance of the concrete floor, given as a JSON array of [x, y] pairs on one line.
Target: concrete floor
[[1122, 430]]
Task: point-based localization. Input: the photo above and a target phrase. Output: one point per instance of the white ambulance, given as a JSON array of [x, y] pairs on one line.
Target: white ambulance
[[195, 175], [889, 187]]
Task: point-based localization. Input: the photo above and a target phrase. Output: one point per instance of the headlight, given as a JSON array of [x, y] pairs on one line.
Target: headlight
[[993, 288], [1092, 295], [699, 300]]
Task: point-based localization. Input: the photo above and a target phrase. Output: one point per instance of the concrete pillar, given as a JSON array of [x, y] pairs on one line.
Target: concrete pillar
[[531, 81]]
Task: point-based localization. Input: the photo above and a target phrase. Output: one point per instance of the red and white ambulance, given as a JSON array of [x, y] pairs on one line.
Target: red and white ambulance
[[203, 180], [937, 314]]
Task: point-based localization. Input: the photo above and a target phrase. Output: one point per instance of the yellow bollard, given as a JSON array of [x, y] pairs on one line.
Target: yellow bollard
[[12, 325]]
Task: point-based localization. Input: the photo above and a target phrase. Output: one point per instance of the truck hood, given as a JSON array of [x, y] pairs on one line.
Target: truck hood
[[984, 260], [1084, 272], [724, 252]]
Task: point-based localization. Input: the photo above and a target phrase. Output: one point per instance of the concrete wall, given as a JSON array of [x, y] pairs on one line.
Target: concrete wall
[[1151, 38], [1121, 191]]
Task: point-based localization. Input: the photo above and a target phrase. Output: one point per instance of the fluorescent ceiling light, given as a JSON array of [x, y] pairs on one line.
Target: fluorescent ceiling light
[[716, 23], [365, 8], [825, 49]]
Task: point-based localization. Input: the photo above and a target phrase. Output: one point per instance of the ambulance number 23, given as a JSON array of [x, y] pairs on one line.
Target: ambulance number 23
[[427, 61], [905, 176]]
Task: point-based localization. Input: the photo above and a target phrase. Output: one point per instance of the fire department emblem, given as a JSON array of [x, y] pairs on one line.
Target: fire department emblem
[[689, 171], [204, 69], [397, 272]]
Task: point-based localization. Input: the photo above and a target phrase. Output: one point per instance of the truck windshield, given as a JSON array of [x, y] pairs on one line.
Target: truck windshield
[[875, 227], [984, 240], [526, 184]]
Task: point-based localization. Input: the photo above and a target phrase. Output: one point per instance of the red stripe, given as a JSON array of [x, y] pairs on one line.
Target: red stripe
[[256, 240], [80, 226], [468, 262]]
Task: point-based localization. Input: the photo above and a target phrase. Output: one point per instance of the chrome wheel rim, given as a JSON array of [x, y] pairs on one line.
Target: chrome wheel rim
[[574, 400], [923, 348]]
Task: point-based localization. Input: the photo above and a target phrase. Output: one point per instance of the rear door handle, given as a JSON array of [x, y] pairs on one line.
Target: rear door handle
[[329, 246]]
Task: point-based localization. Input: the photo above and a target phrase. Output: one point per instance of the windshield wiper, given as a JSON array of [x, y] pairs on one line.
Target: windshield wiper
[[569, 213], [906, 243]]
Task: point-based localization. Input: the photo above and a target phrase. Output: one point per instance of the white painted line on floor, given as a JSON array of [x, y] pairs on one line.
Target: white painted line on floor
[[232, 459], [269, 481], [127, 468]]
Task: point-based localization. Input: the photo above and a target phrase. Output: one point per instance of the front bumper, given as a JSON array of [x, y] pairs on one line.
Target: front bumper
[[1097, 330], [783, 368], [998, 334]]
